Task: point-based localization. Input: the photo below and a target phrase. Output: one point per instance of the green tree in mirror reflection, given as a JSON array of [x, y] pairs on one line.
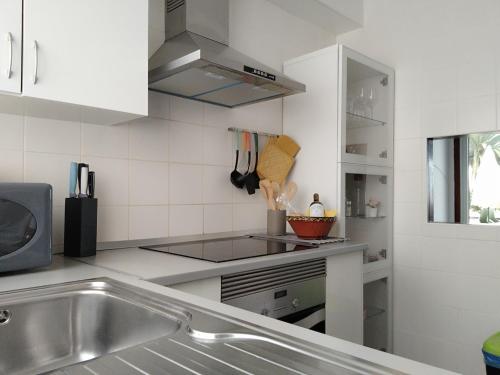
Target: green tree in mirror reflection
[[484, 178]]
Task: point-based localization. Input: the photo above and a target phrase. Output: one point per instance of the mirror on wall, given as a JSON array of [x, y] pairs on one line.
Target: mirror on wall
[[463, 178]]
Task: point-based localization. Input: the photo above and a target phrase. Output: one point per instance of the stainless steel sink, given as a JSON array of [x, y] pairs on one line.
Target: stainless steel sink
[[101, 327], [45, 329]]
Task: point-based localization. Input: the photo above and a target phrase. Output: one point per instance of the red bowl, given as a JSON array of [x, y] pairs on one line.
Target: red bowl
[[311, 228]]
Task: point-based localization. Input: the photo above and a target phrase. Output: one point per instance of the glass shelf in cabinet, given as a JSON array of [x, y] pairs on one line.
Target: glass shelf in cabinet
[[355, 121], [372, 311]]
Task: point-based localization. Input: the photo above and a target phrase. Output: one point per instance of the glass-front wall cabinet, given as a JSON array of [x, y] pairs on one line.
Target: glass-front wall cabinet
[[366, 110]]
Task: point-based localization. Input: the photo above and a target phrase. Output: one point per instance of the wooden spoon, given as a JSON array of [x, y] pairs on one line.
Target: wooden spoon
[[263, 191], [271, 203]]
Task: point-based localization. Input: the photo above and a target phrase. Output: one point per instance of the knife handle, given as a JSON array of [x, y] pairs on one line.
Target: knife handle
[[83, 174], [91, 184], [73, 176]]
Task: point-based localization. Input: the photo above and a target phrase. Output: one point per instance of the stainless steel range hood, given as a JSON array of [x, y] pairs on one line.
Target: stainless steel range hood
[[195, 61]]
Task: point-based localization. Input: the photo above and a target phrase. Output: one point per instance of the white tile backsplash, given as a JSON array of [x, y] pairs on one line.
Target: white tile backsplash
[[439, 119], [408, 155], [185, 110], [475, 78], [54, 136], [148, 222], [185, 220], [213, 190], [218, 218], [265, 116], [148, 183], [407, 218], [186, 184], [249, 216], [218, 116], [186, 143], [105, 141], [440, 254], [112, 223], [409, 118], [12, 131], [440, 84], [58, 225], [112, 180], [11, 166], [217, 146], [407, 186], [476, 114], [149, 139], [52, 169], [163, 175], [409, 250]]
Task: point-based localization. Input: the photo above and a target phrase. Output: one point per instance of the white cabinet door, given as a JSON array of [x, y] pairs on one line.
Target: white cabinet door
[[87, 52], [344, 296], [11, 21]]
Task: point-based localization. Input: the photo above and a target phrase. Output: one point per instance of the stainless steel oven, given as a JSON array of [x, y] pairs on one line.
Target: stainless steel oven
[[294, 293]]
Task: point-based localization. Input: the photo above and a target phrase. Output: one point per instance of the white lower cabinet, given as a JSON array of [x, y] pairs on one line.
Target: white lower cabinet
[[206, 288], [344, 296]]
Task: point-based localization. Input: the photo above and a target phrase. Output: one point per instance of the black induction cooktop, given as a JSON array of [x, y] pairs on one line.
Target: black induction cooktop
[[227, 249]]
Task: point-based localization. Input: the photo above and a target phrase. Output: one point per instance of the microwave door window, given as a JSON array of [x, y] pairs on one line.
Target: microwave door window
[[17, 226]]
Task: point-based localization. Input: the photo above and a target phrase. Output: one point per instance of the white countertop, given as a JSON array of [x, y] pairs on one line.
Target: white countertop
[[134, 264], [167, 269]]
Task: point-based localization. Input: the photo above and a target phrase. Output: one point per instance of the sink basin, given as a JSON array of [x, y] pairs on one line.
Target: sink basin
[[106, 327], [47, 328]]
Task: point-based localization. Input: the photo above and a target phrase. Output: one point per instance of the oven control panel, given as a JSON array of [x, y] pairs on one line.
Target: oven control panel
[[285, 299]]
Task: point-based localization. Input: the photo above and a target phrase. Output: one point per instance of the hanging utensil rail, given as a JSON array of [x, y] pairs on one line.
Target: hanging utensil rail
[[265, 134]]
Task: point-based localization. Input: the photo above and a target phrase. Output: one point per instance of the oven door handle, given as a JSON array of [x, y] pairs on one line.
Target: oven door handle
[[311, 320]]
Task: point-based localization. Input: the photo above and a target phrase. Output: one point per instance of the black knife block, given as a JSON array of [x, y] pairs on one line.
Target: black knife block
[[80, 227]]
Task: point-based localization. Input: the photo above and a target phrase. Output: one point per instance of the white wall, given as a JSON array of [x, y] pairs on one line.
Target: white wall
[[447, 277], [167, 174], [271, 35]]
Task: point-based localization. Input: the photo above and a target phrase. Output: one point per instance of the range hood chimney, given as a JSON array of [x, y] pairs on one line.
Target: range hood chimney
[[196, 62]]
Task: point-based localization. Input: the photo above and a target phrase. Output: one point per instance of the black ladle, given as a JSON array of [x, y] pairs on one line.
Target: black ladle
[[240, 182], [253, 179], [235, 175]]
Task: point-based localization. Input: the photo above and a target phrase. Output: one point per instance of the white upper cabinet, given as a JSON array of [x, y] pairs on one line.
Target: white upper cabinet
[[11, 13], [92, 53]]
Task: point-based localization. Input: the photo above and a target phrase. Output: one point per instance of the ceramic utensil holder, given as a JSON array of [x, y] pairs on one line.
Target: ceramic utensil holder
[[276, 222], [80, 227]]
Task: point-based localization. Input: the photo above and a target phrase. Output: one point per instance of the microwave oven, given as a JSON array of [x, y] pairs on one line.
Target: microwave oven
[[25, 226]]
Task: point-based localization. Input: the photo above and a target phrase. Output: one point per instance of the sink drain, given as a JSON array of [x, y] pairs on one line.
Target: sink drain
[[5, 316]]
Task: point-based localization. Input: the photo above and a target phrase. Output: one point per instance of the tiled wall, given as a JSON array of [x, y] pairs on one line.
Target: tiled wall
[[164, 175], [447, 277]]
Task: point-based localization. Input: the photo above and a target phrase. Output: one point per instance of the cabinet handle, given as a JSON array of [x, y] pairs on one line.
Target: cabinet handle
[[8, 38], [35, 72]]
